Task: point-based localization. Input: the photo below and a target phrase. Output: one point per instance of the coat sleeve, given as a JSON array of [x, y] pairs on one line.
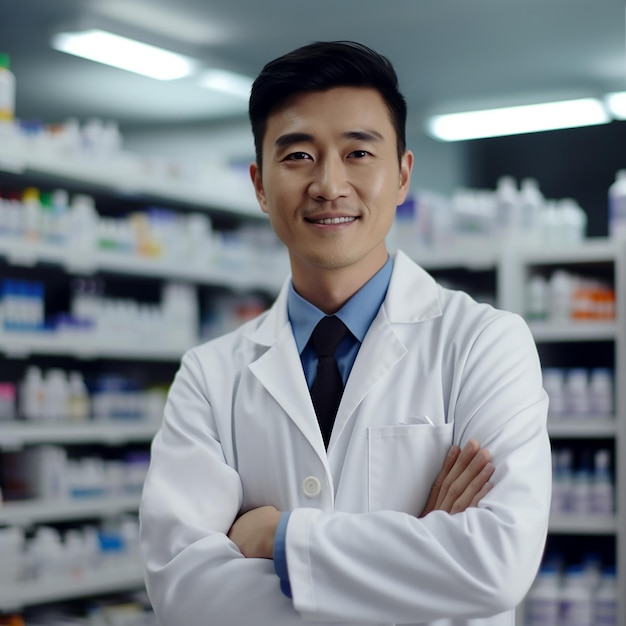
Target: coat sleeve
[[391, 566], [194, 574]]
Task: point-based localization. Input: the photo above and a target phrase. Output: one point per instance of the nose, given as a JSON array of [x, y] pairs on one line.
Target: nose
[[330, 179]]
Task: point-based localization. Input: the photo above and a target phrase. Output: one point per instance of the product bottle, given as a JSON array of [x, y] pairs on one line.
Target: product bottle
[[507, 207], [577, 392], [78, 398], [7, 89], [560, 299], [576, 599], [605, 599], [32, 394], [617, 205], [601, 392], [531, 206], [554, 384], [562, 481], [537, 298], [542, 602], [602, 498]]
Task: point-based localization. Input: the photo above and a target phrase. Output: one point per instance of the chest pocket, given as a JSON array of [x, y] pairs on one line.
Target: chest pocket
[[403, 461]]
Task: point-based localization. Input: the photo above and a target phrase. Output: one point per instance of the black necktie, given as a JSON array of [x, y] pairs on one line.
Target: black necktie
[[327, 387]]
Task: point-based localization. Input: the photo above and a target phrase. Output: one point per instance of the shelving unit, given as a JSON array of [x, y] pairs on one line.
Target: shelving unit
[[30, 512], [511, 266], [113, 579], [128, 180], [508, 268]]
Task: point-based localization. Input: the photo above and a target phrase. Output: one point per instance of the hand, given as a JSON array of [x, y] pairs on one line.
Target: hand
[[254, 531], [463, 480]]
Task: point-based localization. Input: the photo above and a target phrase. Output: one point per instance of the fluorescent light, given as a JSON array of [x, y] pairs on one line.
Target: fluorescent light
[[227, 82], [616, 103], [518, 119], [127, 54]]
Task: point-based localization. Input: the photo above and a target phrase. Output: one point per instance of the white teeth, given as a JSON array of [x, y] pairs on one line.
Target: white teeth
[[335, 220]]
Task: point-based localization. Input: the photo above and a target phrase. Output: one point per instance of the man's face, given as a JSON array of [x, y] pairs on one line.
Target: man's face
[[331, 179]]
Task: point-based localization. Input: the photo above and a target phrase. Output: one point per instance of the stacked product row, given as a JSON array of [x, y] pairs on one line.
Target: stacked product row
[[48, 553], [581, 594], [49, 473], [58, 395], [73, 226]]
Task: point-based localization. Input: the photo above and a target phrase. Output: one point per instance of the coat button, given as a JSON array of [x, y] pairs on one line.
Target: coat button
[[311, 487]]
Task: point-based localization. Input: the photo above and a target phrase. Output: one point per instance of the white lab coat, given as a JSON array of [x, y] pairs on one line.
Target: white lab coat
[[240, 432]]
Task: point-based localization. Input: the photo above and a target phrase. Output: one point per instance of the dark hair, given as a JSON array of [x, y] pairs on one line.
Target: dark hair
[[320, 66]]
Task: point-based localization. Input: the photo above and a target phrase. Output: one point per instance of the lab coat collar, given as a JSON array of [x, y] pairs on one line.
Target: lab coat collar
[[412, 297]]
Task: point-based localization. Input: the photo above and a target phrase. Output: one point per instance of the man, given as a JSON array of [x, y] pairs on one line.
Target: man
[[272, 501]]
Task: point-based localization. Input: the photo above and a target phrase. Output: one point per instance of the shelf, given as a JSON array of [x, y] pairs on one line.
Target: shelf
[[217, 188], [27, 512], [601, 250], [21, 344], [110, 579], [583, 525], [109, 432], [573, 331], [463, 257], [28, 254], [582, 428]]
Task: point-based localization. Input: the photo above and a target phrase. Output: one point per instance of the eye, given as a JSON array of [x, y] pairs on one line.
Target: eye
[[297, 156], [359, 154]]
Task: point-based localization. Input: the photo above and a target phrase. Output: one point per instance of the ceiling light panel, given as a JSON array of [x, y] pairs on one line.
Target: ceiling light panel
[[127, 54], [518, 119], [616, 104]]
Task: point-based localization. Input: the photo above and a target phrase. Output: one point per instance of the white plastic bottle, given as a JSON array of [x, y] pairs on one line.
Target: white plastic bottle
[[617, 205], [601, 392], [581, 489], [605, 599], [577, 392], [56, 393], [602, 496], [542, 601], [531, 207], [78, 398], [507, 207], [537, 298], [562, 285], [7, 90], [554, 384], [562, 481], [576, 598], [32, 394]]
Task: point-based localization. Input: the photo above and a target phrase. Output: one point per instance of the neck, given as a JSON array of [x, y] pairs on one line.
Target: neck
[[330, 289]]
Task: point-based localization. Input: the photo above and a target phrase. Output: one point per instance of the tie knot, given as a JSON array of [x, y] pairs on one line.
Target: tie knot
[[327, 335]]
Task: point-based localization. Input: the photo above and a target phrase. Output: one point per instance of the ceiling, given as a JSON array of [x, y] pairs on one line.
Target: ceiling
[[449, 54]]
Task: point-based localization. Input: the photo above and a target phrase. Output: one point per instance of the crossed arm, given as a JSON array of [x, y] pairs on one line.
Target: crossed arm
[[462, 482]]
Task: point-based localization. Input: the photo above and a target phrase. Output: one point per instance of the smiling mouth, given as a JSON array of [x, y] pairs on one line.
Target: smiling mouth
[[331, 220]]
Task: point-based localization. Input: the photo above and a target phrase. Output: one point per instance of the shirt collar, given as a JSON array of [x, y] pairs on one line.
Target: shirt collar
[[357, 313]]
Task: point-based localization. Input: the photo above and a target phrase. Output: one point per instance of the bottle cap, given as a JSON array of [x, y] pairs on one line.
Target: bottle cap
[[5, 61]]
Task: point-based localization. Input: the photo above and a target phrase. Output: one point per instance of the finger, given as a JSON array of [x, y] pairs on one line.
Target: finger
[[455, 490], [473, 489], [486, 488], [448, 463], [463, 460]]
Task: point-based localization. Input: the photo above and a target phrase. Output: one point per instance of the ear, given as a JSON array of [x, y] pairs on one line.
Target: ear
[[257, 181], [406, 168]]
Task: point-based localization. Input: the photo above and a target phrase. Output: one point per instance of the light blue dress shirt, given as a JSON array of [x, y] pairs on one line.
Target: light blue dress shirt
[[357, 314]]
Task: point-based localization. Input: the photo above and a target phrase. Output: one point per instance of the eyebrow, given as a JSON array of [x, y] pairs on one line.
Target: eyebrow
[[289, 139]]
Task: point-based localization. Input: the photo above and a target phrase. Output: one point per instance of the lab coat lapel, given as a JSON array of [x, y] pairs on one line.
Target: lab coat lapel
[[381, 351], [412, 297], [280, 372]]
